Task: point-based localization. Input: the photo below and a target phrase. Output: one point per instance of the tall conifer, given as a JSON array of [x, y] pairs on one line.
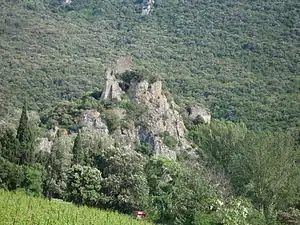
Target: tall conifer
[[26, 139], [78, 155]]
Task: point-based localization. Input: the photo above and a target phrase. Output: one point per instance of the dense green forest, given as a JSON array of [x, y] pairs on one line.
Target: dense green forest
[[239, 58], [234, 176]]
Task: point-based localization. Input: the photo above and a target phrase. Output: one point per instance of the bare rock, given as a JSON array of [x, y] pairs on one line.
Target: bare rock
[[112, 88], [90, 119], [123, 64], [44, 145], [160, 149], [161, 117], [198, 113]]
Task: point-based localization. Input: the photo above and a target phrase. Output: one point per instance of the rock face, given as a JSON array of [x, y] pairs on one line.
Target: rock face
[[148, 5], [161, 126], [162, 116], [91, 120], [198, 113], [45, 144], [143, 117], [112, 87]]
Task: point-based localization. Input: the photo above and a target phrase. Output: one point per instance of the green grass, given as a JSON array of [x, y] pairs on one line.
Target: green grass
[[19, 209]]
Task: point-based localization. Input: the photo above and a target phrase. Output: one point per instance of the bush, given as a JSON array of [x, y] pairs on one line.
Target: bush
[[11, 175], [168, 140], [144, 149], [112, 120], [33, 182], [84, 184]]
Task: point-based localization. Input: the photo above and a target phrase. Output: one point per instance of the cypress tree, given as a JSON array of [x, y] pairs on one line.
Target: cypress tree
[[78, 155], [26, 139]]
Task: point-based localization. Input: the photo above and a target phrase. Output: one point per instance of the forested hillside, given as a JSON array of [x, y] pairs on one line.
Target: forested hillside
[[128, 154], [240, 58], [185, 109]]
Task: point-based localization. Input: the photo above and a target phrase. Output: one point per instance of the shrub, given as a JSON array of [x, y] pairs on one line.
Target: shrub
[[112, 120], [168, 140]]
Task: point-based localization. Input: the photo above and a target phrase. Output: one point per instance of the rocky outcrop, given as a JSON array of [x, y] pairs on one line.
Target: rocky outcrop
[[162, 126], [91, 120], [45, 144], [198, 113], [162, 115], [150, 118], [112, 88], [112, 84], [148, 5]]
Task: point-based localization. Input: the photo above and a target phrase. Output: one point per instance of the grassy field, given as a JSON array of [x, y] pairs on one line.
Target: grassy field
[[17, 208]]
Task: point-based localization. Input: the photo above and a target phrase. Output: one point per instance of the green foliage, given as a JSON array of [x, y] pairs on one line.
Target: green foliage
[[57, 165], [26, 139], [251, 78], [168, 140], [206, 219], [129, 76], [124, 183], [17, 208], [264, 169], [137, 114], [22, 132], [11, 175], [179, 192], [62, 114], [218, 140], [84, 184], [237, 211], [144, 149], [291, 216], [161, 174], [9, 145], [136, 76], [90, 101], [129, 106], [33, 182], [27, 177], [112, 120], [78, 151], [260, 165]]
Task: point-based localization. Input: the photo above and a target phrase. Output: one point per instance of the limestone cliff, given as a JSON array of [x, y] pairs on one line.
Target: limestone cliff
[[161, 118], [159, 126], [135, 111]]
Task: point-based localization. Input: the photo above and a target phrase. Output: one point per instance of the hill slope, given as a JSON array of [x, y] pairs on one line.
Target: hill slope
[[18, 208], [240, 58]]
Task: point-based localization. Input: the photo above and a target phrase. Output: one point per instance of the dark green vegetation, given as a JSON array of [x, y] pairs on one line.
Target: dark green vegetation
[[17, 208], [241, 58], [235, 176]]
